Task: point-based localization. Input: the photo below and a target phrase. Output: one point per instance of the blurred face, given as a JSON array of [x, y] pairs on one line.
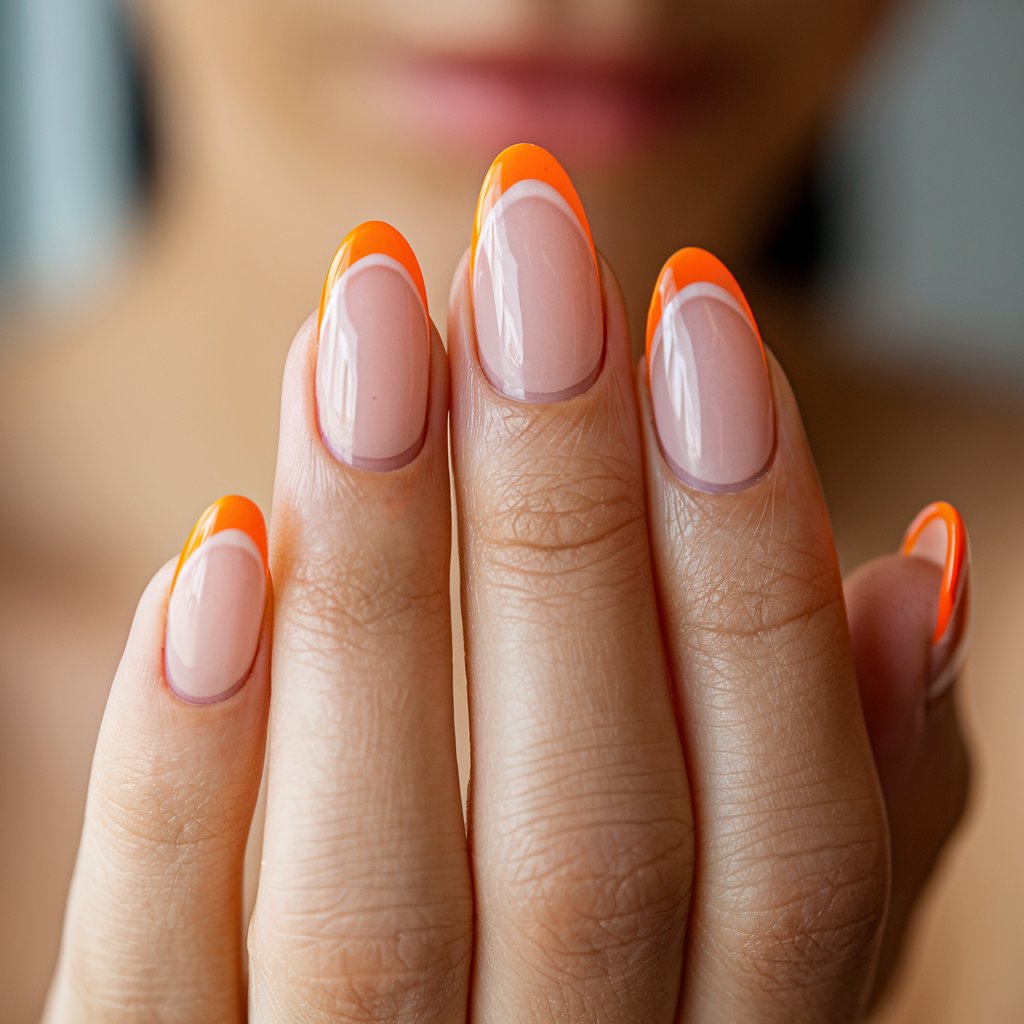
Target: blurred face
[[714, 99]]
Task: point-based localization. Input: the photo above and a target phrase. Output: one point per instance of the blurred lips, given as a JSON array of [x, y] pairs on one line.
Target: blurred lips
[[584, 108]]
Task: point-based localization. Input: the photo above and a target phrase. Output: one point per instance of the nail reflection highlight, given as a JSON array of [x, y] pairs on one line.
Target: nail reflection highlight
[[372, 369], [535, 285], [215, 609], [708, 376]]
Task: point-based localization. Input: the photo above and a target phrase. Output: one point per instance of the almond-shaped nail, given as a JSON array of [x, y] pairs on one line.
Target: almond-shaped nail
[[535, 285], [373, 357], [710, 390], [215, 611], [938, 535]]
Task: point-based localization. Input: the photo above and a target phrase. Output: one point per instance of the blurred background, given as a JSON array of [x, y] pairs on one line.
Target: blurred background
[[908, 223], [922, 176]]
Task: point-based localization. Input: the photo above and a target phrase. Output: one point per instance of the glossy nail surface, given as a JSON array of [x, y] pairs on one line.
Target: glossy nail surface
[[708, 374], [536, 291], [373, 359], [215, 611], [938, 535]]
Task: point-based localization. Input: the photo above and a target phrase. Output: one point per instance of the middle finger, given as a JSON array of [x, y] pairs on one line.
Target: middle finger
[[580, 815]]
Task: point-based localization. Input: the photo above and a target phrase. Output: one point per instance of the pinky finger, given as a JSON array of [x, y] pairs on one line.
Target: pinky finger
[[153, 929], [908, 615]]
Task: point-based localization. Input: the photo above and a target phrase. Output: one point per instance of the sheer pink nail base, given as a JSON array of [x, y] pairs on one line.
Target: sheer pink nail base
[[710, 391], [537, 302], [214, 619]]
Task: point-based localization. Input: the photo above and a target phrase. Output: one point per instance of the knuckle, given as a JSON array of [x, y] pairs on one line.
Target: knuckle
[[143, 804], [570, 509], [601, 902], [356, 563], [807, 907], [404, 965], [764, 575], [336, 605], [783, 601]]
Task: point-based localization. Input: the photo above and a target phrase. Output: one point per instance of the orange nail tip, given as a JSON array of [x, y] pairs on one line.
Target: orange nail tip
[[688, 266], [525, 162], [232, 512], [938, 534], [373, 238]]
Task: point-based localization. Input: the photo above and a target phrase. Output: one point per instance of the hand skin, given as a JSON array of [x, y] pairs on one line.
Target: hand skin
[[675, 810]]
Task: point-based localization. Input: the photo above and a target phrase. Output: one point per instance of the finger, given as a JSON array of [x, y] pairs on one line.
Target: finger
[[580, 820], [363, 911], [792, 873], [908, 618], [154, 921]]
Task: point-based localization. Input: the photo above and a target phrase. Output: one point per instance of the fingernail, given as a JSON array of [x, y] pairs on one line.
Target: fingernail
[[215, 611], [708, 375], [938, 535], [373, 359], [536, 293]]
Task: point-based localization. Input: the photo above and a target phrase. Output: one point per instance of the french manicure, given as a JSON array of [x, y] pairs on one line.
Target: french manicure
[[708, 375], [536, 292], [938, 535], [215, 610], [373, 358]]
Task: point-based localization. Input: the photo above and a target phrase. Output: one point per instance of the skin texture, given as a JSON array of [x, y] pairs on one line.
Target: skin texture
[[238, 121], [592, 819]]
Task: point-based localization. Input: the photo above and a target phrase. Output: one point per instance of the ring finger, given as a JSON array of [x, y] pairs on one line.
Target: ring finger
[[363, 910]]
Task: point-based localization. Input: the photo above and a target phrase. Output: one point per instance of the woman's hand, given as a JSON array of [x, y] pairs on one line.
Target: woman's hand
[[675, 809]]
